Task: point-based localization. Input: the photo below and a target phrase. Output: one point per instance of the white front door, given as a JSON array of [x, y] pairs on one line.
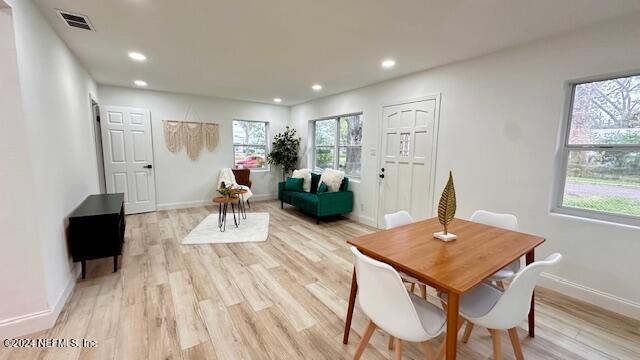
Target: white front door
[[128, 156], [407, 165]]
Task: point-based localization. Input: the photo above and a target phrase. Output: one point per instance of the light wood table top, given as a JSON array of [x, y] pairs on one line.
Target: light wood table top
[[225, 199], [455, 266]]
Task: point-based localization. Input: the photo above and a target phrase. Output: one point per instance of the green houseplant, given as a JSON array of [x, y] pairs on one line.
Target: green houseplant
[[284, 151]]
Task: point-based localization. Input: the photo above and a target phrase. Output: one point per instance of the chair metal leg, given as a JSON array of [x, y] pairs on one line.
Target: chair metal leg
[[365, 340], [515, 342]]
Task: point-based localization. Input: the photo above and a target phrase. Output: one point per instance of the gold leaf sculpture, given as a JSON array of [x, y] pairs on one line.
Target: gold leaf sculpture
[[447, 205]]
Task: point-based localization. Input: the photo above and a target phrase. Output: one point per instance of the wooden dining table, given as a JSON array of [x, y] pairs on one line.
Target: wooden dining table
[[453, 267]]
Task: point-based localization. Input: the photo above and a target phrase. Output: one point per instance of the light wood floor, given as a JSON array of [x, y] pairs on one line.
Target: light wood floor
[[281, 299]]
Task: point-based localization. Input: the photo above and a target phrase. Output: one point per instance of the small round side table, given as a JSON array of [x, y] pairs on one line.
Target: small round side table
[[223, 203]]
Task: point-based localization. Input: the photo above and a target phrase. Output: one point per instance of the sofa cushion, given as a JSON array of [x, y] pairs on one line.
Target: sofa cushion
[[294, 184], [315, 180], [332, 178], [306, 202], [322, 187], [304, 174]]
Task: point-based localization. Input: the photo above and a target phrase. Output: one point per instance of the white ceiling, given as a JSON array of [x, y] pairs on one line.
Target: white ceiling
[[260, 49]]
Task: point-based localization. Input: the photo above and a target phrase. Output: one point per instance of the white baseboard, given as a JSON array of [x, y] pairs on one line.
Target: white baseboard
[[197, 203], [183, 205], [362, 219], [40, 320], [592, 296]]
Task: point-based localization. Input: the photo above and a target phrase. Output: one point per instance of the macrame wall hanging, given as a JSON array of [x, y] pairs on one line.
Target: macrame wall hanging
[[190, 135], [210, 135]]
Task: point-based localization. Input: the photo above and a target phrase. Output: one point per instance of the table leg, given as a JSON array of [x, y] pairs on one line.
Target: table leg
[[233, 211], [352, 302], [452, 325], [531, 257], [244, 206], [224, 217]]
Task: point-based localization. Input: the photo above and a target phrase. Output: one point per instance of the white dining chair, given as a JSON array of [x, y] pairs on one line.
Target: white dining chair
[[497, 309], [390, 307], [396, 219], [505, 221]]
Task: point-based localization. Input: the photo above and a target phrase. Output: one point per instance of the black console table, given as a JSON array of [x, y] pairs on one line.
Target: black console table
[[96, 229]]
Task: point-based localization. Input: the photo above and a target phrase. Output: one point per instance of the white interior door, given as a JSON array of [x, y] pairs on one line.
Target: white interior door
[[128, 156], [407, 165]]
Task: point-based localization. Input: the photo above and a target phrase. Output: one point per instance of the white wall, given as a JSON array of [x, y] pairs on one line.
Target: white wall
[[55, 93], [499, 125], [180, 181], [20, 259]]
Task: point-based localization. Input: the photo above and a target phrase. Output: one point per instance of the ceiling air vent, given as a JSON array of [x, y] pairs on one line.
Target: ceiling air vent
[[75, 20]]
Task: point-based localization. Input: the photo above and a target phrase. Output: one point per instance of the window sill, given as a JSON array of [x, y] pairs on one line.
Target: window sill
[[595, 217], [256, 170]]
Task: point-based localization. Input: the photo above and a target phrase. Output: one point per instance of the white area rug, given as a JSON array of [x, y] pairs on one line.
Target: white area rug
[[254, 228]]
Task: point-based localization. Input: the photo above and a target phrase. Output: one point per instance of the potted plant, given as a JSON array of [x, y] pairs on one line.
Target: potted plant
[[284, 151], [226, 191]]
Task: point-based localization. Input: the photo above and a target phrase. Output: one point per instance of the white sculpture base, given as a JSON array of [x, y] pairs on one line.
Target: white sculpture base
[[444, 237]]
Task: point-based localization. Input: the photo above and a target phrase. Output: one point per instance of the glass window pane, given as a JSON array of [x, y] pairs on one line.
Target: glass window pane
[[605, 181], [325, 132], [349, 160], [249, 157], [324, 157], [249, 132], [606, 112], [351, 130]]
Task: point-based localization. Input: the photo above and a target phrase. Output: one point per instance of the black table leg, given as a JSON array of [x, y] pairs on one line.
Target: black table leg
[[234, 214], [243, 206], [224, 217]]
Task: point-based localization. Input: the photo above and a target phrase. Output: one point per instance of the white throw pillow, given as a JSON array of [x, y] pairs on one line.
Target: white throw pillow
[[305, 175], [332, 178]]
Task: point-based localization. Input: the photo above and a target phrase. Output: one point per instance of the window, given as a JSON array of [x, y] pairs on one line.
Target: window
[[250, 144], [601, 153], [338, 144]]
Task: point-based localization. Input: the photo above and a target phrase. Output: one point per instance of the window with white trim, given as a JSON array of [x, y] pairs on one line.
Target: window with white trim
[[337, 144], [601, 151], [250, 144]]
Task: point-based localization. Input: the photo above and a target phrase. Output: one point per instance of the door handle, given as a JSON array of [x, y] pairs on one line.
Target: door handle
[[148, 166], [381, 176]]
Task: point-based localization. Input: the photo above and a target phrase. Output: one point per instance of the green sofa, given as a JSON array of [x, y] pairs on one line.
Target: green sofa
[[318, 205]]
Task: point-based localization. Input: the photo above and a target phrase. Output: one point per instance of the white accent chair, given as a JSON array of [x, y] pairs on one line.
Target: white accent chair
[[389, 306], [497, 309], [398, 219]]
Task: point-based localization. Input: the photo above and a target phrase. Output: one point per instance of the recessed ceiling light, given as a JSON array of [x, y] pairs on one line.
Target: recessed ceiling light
[[316, 87], [137, 56], [277, 100], [388, 63], [140, 83]]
